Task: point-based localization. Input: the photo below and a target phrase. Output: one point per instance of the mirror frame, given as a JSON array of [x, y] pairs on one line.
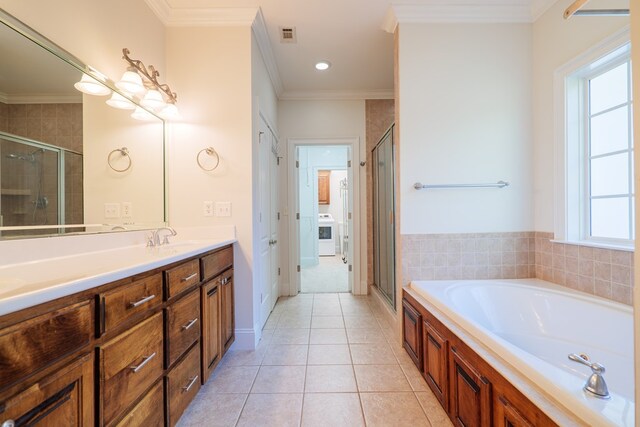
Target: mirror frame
[[74, 229]]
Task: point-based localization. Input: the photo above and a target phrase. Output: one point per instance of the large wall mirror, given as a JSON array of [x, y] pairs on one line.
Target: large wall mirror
[[69, 162]]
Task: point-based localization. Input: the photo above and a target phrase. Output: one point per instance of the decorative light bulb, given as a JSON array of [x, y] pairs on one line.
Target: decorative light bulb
[[153, 100], [142, 114], [131, 82], [119, 101], [91, 86], [323, 65], [170, 112]]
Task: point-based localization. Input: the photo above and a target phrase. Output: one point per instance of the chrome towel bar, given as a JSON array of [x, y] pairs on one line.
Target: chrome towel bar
[[499, 184]]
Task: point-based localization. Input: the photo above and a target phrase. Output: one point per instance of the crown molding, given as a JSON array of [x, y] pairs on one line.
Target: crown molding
[[40, 99], [390, 21], [462, 13], [336, 95], [202, 16], [264, 44]]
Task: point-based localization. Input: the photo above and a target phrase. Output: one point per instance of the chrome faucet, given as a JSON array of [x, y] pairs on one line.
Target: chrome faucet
[[154, 239], [595, 385]]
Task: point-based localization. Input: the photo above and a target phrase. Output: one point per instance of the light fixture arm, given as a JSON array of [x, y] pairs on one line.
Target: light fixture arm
[[151, 74]]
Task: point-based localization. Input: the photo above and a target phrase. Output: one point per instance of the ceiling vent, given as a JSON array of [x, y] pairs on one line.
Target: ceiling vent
[[288, 35]]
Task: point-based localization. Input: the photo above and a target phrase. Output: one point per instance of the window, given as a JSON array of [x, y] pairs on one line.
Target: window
[[594, 147]]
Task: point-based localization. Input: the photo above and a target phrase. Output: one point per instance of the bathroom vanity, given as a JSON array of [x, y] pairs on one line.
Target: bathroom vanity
[[130, 352]]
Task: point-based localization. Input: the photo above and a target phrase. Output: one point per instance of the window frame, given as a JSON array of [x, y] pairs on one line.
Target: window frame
[[571, 140]]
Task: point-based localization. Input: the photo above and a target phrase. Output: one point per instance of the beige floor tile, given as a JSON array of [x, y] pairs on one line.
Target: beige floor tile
[[360, 322], [271, 410], [392, 409], [286, 354], [432, 408], [233, 379], [327, 309], [372, 354], [272, 321], [328, 336], [299, 322], [330, 378], [365, 336], [415, 378], [335, 410], [290, 336], [220, 410], [327, 322], [279, 379], [381, 378], [244, 357], [329, 354], [356, 309]]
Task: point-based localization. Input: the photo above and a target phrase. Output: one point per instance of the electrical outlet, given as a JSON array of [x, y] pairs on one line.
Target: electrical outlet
[[127, 209], [112, 210], [223, 208], [207, 208]]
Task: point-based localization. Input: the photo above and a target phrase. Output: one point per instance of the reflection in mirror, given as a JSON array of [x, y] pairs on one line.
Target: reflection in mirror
[[55, 144]]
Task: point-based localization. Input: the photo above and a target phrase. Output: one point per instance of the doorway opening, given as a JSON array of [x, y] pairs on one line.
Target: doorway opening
[[323, 190]]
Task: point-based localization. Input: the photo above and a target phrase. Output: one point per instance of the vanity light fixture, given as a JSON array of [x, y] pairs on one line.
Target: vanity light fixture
[[323, 65], [153, 100], [131, 82], [141, 114], [169, 112], [91, 86], [119, 101]]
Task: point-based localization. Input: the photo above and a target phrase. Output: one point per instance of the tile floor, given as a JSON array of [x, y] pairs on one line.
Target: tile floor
[[330, 275], [325, 359]]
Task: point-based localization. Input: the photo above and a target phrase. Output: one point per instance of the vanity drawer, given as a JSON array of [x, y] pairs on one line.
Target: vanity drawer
[[129, 364], [183, 325], [34, 344], [120, 304], [182, 277], [216, 262], [146, 413], [183, 383]]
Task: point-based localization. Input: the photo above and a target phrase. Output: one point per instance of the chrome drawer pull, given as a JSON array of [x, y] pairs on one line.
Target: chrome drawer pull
[[190, 324], [142, 301], [144, 362], [189, 277], [9, 423], [191, 383]]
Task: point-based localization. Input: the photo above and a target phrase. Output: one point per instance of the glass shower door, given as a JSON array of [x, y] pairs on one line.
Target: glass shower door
[[384, 217]]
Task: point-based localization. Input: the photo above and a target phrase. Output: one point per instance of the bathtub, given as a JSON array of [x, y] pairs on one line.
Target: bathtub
[[533, 325]]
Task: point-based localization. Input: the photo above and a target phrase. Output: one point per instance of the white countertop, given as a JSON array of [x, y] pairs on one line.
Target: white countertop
[[35, 280]]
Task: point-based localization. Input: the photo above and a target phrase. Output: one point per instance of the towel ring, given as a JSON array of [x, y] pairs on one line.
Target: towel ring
[[210, 152], [124, 152]]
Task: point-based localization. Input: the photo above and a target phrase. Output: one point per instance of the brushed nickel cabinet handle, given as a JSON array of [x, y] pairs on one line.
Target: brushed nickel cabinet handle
[[190, 324], [142, 301], [144, 362], [189, 277], [191, 383], [9, 423]]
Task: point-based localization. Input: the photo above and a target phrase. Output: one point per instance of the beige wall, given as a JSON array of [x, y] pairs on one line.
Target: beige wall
[[556, 41]]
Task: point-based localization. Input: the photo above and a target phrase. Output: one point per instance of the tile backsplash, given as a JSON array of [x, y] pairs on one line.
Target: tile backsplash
[[602, 272]]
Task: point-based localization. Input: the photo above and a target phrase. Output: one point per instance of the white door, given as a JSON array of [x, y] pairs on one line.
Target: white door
[[274, 217], [264, 221], [349, 226]]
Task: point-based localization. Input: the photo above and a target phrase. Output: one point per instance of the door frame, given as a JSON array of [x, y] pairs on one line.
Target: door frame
[[293, 200]]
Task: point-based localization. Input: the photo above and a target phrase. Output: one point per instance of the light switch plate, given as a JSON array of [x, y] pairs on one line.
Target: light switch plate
[[112, 210], [223, 208], [207, 208]]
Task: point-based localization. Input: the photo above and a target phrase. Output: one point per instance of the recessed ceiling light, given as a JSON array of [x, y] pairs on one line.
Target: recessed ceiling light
[[323, 65]]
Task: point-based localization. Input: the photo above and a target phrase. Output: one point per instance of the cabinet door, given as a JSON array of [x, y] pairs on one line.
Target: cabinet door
[[227, 320], [435, 362], [470, 393], [211, 341], [324, 187], [182, 385], [64, 398], [182, 326], [507, 415], [411, 333]]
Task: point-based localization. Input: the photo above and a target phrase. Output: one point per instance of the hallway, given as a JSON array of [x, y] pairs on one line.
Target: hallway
[[324, 359]]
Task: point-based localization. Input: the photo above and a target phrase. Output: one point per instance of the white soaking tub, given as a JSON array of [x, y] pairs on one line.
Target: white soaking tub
[[533, 325]]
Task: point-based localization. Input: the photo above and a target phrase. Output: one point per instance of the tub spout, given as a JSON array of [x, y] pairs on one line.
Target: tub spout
[[596, 384]]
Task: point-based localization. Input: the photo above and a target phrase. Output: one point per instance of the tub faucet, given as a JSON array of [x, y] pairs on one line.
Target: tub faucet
[[154, 239], [595, 385]]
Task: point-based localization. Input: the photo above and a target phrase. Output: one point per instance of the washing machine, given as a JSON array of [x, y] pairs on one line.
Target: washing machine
[[326, 235]]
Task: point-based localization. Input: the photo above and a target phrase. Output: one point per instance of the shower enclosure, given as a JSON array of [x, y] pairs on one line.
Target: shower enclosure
[[384, 217], [40, 184]]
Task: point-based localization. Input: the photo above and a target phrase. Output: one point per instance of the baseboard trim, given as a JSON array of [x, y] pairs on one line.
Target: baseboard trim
[[246, 339]]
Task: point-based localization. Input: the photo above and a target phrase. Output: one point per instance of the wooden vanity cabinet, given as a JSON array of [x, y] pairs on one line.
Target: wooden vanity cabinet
[[182, 384], [182, 325], [227, 318], [470, 393], [324, 187], [211, 327], [64, 398], [507, 415]]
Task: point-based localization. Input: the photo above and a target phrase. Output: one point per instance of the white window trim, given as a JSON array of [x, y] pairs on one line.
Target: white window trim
[[566, 230]]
